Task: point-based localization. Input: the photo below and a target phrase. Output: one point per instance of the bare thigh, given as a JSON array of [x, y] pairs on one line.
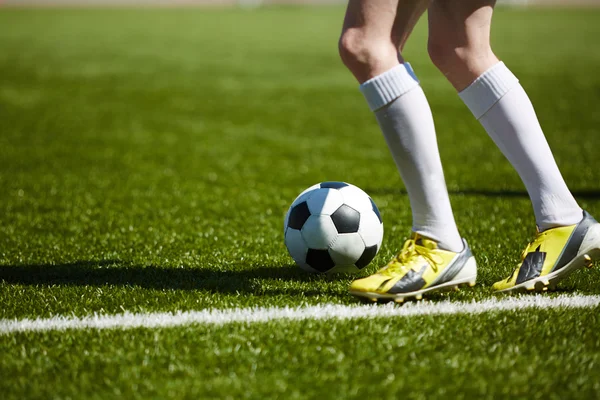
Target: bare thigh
[[374, 33]]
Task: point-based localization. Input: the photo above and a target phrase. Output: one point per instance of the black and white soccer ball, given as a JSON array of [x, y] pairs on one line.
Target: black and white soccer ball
[[333, 227]]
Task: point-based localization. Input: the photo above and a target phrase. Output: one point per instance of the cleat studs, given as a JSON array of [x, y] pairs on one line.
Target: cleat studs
[[455, 288], [462, 285], [546, 282], [373, 299], [399, 300], [545, 289], [588, 261], [419, 297]]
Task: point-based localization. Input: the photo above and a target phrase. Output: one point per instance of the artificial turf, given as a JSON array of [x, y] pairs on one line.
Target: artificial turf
[[147, 158]]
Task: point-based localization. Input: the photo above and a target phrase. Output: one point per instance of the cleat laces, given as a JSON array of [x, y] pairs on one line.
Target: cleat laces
[[409, 257]]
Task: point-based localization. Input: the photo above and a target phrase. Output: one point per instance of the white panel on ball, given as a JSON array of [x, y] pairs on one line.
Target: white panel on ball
[[325, 201], [296, 246], [347, 249], [305, 195], [319, 232], [356, 198], [370, 229]]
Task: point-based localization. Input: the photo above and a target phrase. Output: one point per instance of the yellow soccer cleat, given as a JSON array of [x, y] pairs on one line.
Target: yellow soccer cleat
[[553, 255], [420, 267]]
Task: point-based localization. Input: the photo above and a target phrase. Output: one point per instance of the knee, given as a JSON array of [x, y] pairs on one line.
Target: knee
[[455, 55], [366, 56], [444, 53]]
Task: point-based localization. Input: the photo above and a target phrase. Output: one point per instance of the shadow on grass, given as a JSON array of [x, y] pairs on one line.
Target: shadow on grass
[[579, 194], [259, 281], [119, 273]]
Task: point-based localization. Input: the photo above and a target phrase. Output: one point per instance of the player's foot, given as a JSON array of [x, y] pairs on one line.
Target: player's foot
[[421, 267], [554, 254]]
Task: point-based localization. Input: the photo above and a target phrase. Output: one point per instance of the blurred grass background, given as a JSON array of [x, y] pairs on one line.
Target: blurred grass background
[[147, 157]]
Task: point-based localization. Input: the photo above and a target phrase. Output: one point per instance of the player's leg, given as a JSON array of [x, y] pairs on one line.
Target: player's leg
[[369, 46], [374, 31], [372, 34], [459, 39], [459, 45]]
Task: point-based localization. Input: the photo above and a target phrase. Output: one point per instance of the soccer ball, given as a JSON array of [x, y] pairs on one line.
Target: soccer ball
[[333, 227]]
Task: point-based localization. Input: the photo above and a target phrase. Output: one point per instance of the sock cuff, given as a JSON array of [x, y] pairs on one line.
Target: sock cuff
[[486, 90], [387, 87]]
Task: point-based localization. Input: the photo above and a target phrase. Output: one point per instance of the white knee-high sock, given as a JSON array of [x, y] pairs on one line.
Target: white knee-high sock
[[499, 102], [405, 118]]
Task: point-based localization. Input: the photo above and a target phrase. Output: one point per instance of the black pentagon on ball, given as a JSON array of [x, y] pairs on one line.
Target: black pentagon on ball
[[298, 216], [375, 210], [333, 185], [367, 256], [319, 260], [346, 219]]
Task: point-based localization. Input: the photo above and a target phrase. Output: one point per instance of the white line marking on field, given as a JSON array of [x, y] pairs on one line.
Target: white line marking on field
[[318, 312]]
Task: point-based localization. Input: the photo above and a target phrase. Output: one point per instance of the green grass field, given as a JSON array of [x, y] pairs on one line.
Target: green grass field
[[147, 158]]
